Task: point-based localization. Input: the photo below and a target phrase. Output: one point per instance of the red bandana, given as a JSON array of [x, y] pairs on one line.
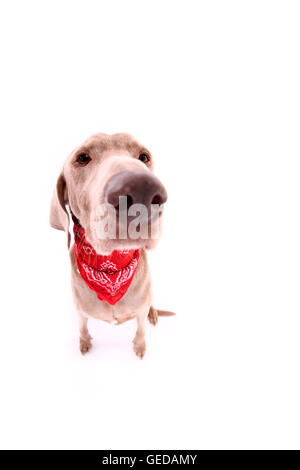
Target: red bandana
[[109, 276]]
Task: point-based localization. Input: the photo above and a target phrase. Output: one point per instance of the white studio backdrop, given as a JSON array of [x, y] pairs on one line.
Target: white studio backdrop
[[212, 88]]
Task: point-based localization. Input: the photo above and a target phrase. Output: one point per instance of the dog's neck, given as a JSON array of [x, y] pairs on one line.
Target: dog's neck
[[109, 276], [75, 220]]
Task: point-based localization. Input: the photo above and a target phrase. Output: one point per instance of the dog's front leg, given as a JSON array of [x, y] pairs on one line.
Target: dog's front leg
[[85, 338], [139, 344]]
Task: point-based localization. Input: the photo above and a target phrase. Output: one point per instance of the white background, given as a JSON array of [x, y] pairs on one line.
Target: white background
[[212, 88]]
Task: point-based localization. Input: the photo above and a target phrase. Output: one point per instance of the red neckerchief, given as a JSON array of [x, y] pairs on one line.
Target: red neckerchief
[[109, 276]]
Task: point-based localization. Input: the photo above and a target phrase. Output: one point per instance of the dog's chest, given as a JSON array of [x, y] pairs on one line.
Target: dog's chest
[[116, 314]]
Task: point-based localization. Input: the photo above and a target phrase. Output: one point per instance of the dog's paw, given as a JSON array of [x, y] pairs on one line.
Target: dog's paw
[[152, 315], [85, 344], [139, 347]]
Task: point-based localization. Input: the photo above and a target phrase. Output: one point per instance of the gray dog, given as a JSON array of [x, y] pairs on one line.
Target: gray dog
[[110, 276]]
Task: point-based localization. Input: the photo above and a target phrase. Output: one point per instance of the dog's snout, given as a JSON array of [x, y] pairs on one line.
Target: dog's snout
[[138, 187]]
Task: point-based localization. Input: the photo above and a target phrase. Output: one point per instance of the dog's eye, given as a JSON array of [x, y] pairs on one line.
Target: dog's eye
[[83, 159], [144, 158]]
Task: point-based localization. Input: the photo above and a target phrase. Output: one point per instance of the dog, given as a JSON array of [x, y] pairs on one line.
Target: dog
[[110, 274]]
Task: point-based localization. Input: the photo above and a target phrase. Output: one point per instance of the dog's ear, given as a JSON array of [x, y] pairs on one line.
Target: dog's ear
[[59, 217]]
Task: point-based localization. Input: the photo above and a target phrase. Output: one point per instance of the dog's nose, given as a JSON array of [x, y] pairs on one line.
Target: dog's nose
[[138, 187]]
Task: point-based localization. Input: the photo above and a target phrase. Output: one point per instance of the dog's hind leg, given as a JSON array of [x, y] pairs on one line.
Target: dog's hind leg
[[85, 338], [154, 314]]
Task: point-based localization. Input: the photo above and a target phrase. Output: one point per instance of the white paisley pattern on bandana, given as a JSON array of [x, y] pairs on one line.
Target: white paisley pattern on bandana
[[109, 276], [103, 279]]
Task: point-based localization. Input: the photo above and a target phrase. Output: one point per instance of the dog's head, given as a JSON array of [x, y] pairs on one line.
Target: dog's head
[[109, 186]]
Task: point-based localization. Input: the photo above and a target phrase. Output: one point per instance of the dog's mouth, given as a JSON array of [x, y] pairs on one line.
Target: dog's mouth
[[128, 228], [123, 230]]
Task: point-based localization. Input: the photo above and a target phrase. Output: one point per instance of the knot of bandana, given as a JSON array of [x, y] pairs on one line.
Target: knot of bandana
[[108, 276]]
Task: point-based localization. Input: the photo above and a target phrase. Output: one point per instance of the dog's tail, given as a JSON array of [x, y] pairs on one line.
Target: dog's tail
[[165, 313]]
